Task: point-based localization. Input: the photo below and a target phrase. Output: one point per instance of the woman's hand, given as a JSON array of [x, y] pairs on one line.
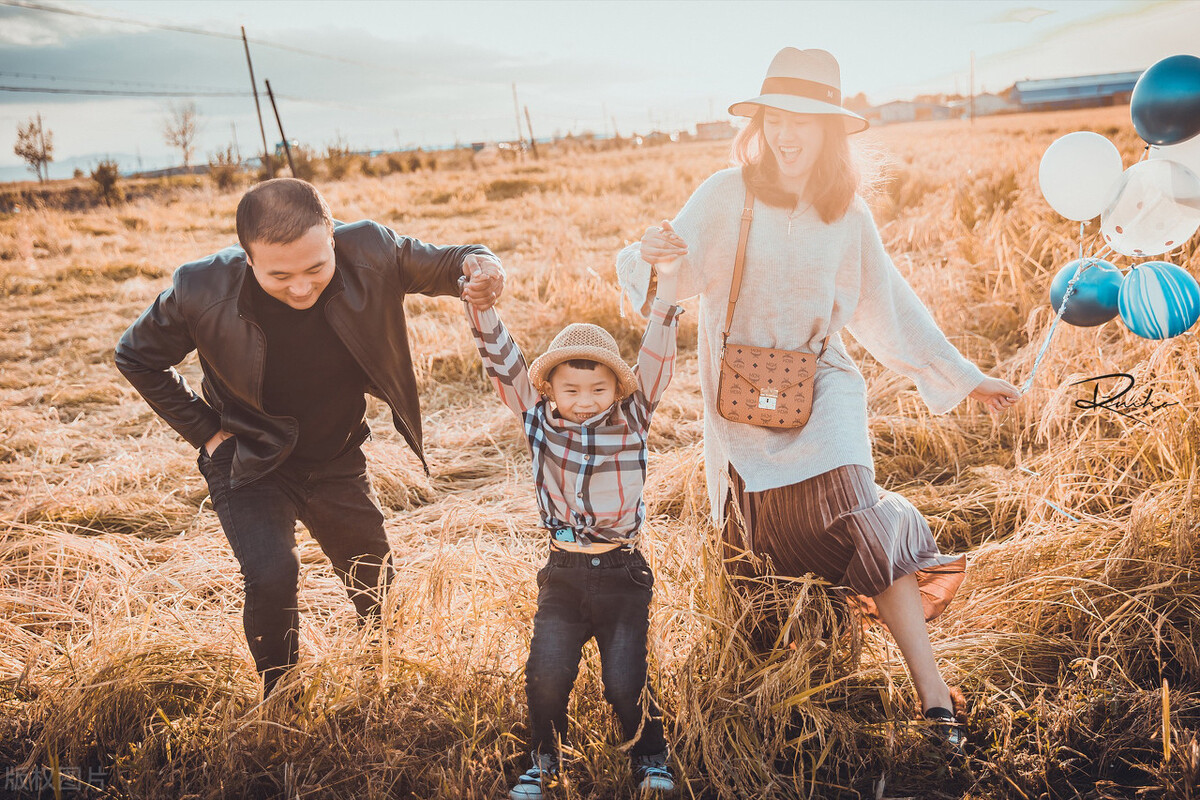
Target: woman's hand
[[996, 394], [661, 244]]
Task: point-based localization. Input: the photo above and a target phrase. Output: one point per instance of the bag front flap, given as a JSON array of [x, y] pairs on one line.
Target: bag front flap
[[777, 370]]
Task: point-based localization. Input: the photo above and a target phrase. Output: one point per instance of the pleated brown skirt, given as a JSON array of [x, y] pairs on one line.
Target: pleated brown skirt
[[842, 527]]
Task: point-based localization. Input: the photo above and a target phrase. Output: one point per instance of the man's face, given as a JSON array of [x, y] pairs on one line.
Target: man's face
[[580, 394], [297, 272]]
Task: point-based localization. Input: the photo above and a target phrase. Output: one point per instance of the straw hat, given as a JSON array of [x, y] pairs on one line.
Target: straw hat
[[583, 340], [803, 82]]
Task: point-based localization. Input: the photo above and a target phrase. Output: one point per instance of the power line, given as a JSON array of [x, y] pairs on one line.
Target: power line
[[110, 81], [375, 109], [117, 92]]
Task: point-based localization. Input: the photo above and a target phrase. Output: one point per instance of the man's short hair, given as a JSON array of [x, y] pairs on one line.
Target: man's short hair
[[279, 211]]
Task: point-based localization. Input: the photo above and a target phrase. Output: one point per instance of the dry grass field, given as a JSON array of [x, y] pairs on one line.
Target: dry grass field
[[1075, 637]]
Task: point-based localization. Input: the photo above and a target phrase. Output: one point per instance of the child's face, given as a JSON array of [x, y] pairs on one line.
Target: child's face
[[580, 394]]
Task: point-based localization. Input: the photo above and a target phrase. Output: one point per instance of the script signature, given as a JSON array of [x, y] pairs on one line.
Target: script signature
[[1121, 400]]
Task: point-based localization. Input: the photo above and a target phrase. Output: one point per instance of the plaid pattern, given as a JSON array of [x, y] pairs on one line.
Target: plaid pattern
[[589, 476]]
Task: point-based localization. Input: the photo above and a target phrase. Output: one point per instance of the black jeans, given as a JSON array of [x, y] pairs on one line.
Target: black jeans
[[581, 596], [335, 502]]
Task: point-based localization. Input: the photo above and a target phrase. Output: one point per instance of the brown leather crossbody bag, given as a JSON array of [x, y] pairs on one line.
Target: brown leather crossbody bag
[[762, 385]]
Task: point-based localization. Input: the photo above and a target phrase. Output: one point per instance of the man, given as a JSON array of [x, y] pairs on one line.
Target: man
[[292, 328]]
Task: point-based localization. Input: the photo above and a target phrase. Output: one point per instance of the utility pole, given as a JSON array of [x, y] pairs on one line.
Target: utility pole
[[532, 141], [517, 111], [972, 106], [237, 148], [254, 87], [45, 165], [287, 148]]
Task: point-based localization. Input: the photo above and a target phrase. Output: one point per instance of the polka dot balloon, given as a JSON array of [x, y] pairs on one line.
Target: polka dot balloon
[[1157, 208]]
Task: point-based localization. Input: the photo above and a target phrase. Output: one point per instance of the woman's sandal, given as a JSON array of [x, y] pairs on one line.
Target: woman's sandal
[[946, 728]]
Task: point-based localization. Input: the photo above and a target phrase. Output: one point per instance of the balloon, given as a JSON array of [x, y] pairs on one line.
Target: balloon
[[1159, 300], [1186, 153], [1094, 301], [1078, 174], [1157, 208], [1165, 104]]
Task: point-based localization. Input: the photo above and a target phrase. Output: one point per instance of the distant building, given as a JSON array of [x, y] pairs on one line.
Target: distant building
[[906, 111], [986, 104], [1083, 91], [715, 131]]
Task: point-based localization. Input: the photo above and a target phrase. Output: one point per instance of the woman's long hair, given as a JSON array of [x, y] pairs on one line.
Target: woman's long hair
[[835, 177]]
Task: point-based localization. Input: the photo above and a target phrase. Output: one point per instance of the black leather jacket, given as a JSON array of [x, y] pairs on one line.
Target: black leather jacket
[[208, 309]]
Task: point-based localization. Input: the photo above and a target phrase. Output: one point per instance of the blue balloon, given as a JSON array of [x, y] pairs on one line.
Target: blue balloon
[[1159, 300], [1094, 301], [1165, 104]]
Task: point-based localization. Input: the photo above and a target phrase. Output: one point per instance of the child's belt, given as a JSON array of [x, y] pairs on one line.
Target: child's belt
[[564, 539]]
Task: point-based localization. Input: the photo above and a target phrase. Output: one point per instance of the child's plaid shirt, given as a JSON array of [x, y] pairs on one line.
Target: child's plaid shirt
[[588, 476]]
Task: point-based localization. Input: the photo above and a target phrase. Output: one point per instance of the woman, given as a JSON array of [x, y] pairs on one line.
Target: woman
[[814, 264]]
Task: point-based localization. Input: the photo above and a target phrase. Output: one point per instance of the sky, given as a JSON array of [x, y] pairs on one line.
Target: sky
[[383, 75]]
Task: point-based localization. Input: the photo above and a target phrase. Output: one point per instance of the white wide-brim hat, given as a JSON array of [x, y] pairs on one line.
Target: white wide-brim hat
[[803, 82]]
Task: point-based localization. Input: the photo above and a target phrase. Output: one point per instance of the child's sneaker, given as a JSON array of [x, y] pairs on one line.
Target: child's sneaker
[[540, 776], [653, 774]]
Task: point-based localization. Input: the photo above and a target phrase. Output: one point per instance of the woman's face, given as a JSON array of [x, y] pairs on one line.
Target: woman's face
[[796, 141]]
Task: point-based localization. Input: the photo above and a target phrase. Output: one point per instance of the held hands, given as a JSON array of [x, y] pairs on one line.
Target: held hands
[[664, 248], [485, 281], [996, 394]]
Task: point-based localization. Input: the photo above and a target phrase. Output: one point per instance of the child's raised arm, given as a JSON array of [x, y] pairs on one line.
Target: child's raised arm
[[656, 357], [502, 359]]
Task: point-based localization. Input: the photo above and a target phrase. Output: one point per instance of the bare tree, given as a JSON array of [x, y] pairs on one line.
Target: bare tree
[[180, 128], [35, 146]]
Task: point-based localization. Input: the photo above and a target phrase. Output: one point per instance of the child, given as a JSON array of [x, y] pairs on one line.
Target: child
[[586, 414]]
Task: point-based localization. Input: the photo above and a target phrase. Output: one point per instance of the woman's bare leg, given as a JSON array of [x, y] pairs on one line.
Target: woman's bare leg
[[900, 608]]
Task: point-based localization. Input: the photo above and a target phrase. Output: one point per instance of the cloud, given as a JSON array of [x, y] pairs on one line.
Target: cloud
[[370, 90], [1026, 14]]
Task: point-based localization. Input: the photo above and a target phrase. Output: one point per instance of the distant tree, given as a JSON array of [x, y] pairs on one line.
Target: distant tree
[[180, 128], [107, 176], [224, 167], [35, 146], [858, 103], [339, 158]]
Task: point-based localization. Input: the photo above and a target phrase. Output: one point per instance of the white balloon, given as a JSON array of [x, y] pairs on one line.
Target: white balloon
[[1157, 209], [1079, 174], [1186, 153]]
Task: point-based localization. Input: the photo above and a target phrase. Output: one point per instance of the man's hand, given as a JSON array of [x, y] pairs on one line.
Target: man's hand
[[212, 444], [996, 394], [485, 281]]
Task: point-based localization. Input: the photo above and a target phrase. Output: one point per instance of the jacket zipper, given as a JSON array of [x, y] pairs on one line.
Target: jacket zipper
[[348, 340], [258, 396]]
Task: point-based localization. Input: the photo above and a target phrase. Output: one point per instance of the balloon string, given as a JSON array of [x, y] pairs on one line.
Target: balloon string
[[1083, 267]]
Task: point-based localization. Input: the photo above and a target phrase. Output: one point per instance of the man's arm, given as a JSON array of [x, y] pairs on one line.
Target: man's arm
[[147, 355], [431, 269]]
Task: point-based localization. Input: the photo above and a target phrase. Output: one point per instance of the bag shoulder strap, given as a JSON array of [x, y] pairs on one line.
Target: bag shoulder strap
[[739, 261]]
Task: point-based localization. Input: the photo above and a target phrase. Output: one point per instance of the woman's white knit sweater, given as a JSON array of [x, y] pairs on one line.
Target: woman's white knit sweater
[[796, 288]]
